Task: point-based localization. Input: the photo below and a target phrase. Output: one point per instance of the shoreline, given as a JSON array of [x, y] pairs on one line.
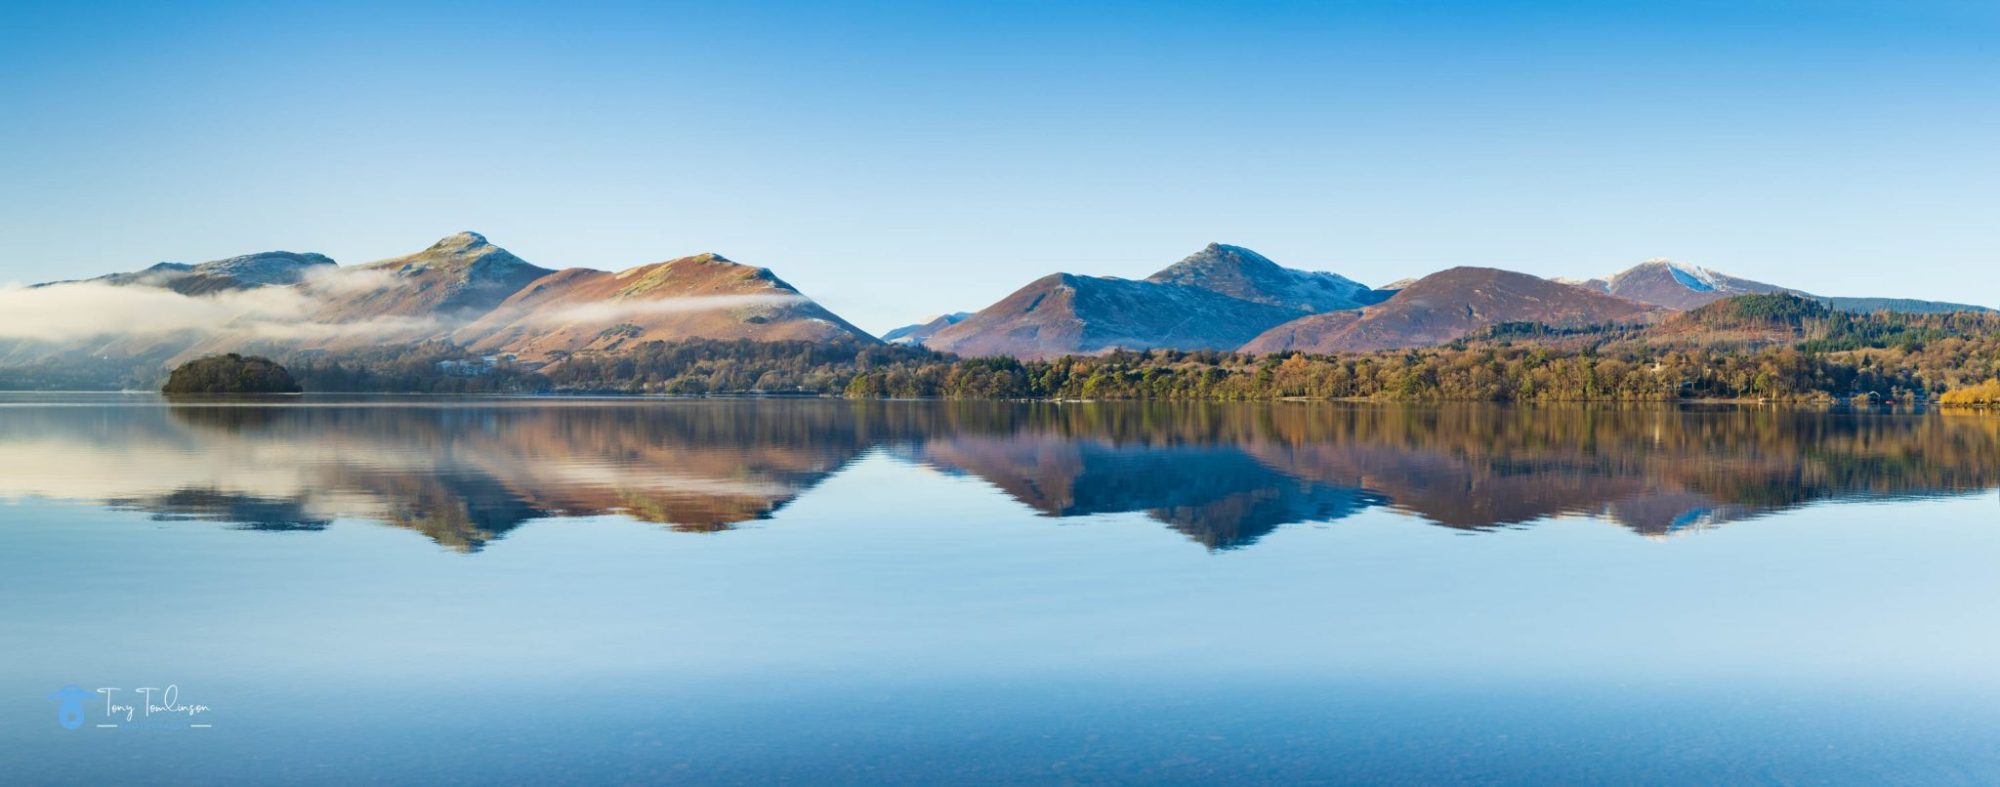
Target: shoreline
[[275, 398]]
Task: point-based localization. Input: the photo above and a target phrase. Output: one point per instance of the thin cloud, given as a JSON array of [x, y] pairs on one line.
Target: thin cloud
[[618, 311], [331, 280], [80, 311], [94, 311], [86, 310]]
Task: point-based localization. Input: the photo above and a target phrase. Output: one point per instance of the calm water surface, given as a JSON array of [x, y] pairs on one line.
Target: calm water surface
[[819, 591]]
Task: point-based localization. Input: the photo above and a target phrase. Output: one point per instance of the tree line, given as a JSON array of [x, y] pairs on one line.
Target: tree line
[[1774, 347], [1466, 371], [1498, 372]]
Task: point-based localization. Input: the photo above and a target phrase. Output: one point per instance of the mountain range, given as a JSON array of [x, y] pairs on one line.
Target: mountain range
[[463, 289], [1215, 299], [476, 295], [1230, 298]]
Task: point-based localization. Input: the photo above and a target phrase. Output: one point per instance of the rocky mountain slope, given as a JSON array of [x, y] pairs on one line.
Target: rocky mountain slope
[[271, 268], [1241, 273], [703, 296], [1215, 299], [1444, 306], [408, 299], [1680, 286], [1676, 285], [461, 276], [1067, 314]]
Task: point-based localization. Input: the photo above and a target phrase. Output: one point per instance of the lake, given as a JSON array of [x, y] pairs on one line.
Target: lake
[[591, 591]]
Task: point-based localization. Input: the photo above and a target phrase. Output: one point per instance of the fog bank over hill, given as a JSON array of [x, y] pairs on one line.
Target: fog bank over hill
[[462, 289]]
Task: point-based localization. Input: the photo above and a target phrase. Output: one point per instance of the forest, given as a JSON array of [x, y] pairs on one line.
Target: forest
[[430, 367]]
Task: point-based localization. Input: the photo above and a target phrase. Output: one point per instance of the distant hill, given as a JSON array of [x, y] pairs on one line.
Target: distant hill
[[110, 357], [1771, 318], [271, 268], [1748, 323], [1444, 306], [1676, 285], [1680, 286], [1215, 299], [1317, 333], [1756, 319], [704, 296], [1757, 311], [1067, 314], [1241, 273], [917, 333]]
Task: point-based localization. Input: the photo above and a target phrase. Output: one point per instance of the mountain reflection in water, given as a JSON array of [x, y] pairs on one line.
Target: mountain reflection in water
[[466, 472]]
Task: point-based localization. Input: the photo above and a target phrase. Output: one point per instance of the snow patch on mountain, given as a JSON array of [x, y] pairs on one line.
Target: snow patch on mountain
[[1690, 276]]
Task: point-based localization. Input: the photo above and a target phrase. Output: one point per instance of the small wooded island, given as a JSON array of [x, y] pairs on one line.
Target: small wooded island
[[230, 374]]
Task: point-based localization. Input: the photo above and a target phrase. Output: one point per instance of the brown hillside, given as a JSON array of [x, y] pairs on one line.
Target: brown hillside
[[1066, 314], [703, 296], [1446, 305], [461, 276]]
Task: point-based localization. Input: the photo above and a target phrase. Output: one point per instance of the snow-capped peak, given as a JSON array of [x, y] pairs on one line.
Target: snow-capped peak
[[1692, 276]]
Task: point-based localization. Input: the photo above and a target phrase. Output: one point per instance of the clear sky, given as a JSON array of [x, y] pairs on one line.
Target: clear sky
[[897, 160]]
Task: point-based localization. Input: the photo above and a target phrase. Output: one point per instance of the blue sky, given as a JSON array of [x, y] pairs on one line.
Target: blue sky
[[895, 160]]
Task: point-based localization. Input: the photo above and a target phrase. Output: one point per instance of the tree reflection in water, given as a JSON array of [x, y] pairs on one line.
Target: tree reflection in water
[[466, 472]]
